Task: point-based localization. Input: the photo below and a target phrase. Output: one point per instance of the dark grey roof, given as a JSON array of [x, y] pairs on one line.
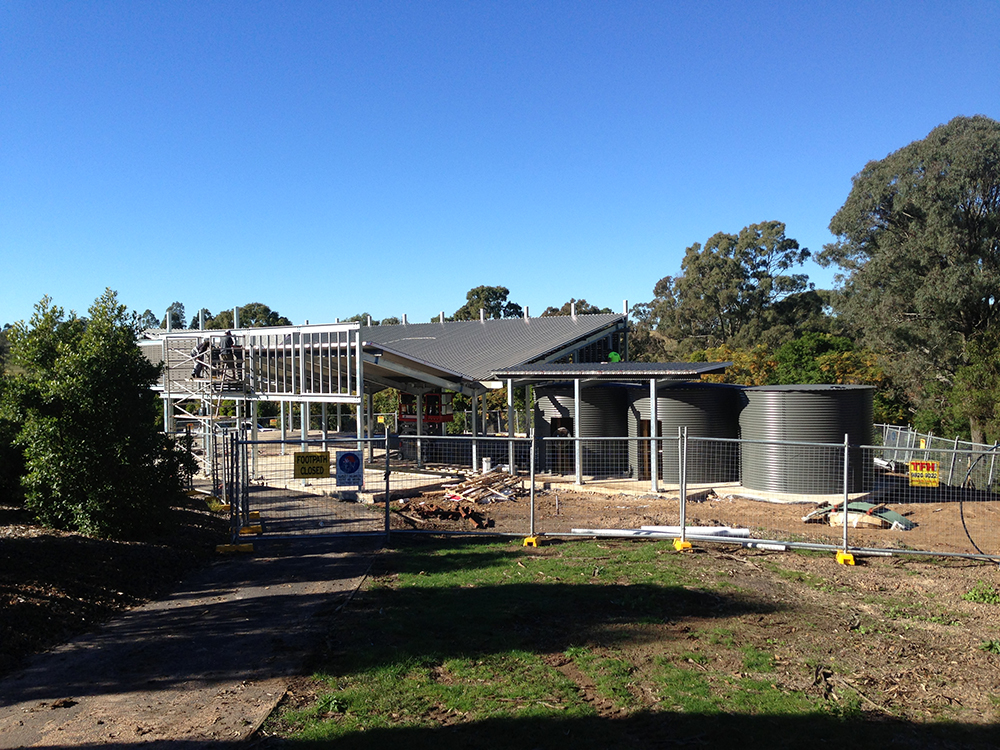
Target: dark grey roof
[[477, 349], [613, 370]]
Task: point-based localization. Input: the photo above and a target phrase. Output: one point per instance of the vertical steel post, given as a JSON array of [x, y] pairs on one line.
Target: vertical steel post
[[420, 430], [954, 457], [284, 428], [387, 474], [510, 427], [254, 436], [370, 432], [475, 432], [359, 379], [654, 448], [531, 492], [847, 458], [577, 445], [682, 442]]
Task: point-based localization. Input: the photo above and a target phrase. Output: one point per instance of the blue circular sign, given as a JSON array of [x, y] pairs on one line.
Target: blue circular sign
[[349, 463]]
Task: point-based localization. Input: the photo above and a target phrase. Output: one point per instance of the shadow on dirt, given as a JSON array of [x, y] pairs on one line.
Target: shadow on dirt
[[240, 618], [642, 730]]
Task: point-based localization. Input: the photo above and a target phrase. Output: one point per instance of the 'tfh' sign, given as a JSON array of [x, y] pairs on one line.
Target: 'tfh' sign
[[924, 474], [312, 465]]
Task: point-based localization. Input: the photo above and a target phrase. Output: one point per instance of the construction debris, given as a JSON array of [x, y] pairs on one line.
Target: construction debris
[[492, 487], [420, 512], [860, 514]]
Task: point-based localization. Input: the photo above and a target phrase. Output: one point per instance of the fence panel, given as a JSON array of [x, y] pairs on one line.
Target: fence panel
[[903, 495], [948, 495], [277, 504]]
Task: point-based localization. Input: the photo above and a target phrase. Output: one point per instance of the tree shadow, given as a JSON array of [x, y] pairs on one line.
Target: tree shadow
[[669, 729]]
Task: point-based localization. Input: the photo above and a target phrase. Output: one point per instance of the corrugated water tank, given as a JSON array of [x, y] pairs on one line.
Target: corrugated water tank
[[778, 415], [602, 414], [708, 410]]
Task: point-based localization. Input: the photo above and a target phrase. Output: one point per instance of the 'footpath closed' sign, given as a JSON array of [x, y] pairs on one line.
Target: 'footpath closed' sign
[[312, 465]]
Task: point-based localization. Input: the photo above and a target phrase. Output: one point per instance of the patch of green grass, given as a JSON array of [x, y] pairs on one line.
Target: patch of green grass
[[695, 657], [982, 593], [798, 576], [684, 690], [721, 637], [689, 691], [755, 660], [612, 676], [992, 647]]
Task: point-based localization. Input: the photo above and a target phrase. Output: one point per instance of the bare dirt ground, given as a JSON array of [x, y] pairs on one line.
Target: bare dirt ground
[[206, 660], [55, 584], [943, 524]]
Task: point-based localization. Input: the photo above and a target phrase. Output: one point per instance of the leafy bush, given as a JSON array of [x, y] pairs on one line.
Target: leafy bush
[[95, 461]]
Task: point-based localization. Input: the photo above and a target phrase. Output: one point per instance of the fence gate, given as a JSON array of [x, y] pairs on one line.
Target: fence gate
[[270, 498]]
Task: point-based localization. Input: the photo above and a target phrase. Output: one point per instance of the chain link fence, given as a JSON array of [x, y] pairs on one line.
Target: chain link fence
[[902, 496]]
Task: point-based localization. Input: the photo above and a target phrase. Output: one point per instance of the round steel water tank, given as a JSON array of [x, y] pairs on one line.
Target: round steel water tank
[[775, 416], [602, 415], [708, 410]]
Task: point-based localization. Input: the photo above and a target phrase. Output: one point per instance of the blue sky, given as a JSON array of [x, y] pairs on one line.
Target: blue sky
[[329, 158]]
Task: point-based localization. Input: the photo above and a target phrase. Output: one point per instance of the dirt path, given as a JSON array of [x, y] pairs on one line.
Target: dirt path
[[207, 663]]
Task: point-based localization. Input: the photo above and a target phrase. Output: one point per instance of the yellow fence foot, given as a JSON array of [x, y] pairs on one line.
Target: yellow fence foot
[[531, 541], [248, 530], [682, 545], [228, 549], [844, 558], [254, 515]]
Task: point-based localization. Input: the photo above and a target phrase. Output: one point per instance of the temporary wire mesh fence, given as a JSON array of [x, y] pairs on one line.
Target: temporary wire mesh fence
[[900, 499]]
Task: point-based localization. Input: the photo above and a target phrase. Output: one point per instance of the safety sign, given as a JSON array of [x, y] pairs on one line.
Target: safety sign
[[311, 465], [350, 469]]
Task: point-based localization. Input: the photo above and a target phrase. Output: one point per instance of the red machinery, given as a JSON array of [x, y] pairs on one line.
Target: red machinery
[[437, 408]]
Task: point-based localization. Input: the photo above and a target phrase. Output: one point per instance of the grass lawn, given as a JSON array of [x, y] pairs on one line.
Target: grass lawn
[[604, 644]]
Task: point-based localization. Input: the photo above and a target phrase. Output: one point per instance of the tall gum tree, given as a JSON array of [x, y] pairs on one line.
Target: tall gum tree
[[918, 242], [732, 291]]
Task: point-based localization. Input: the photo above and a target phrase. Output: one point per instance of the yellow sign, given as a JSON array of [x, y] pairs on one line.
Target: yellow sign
[[924, 474], [381, 419], [312, 465]]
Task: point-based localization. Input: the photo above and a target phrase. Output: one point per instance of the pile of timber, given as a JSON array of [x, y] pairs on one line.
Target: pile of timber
[[420, 512], [492, 487]]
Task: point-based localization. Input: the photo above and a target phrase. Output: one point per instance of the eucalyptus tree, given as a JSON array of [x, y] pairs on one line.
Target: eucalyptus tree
[[918, 244], [581, 306], [731, 290], [492, 300]]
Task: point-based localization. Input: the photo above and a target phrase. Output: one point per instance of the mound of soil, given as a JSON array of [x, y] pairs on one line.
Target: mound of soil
[[56, 584]]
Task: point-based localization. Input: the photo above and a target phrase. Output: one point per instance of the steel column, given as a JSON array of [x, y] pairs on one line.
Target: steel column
[[577, 445]]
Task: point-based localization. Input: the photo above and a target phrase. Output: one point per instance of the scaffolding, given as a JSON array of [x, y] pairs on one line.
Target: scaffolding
[[204, 373]]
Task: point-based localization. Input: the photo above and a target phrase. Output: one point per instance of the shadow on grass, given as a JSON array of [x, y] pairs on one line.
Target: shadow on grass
[[667, 729], [424, 624]]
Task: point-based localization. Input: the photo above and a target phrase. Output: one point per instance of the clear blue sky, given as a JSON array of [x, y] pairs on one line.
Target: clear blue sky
[[329, 158]]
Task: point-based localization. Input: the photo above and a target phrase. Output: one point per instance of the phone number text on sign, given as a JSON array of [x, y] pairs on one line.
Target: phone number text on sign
[[924, 474]]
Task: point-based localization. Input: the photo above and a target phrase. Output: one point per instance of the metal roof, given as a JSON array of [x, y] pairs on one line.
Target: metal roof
[[612, 370], [477, 349]]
